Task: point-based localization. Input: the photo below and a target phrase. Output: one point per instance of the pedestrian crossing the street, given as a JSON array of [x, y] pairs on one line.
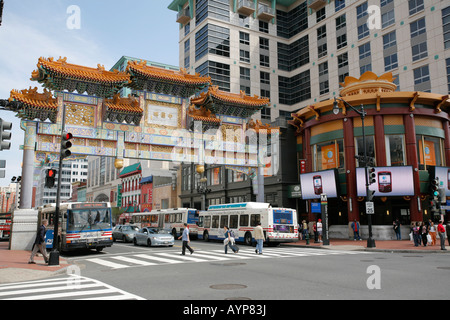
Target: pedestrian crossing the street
[[70, 287], [167, 258]]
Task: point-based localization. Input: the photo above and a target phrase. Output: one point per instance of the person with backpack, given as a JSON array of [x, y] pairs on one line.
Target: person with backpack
[[229, 240]]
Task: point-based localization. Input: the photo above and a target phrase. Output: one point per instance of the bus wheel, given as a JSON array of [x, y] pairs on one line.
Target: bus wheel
[[248, 238], [206, 236], [99, 249]]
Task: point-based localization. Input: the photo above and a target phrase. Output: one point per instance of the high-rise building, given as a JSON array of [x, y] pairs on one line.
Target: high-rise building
[[297, 52], [75, 170]]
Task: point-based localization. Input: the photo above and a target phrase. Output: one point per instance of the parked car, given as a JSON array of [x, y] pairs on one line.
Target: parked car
[[154, 237], [124, 232]]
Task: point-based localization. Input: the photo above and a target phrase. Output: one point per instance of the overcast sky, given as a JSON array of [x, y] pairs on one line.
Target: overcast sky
[[107, 30]]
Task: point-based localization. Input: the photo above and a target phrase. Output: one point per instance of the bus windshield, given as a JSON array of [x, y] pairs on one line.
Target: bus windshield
[[88, 219]]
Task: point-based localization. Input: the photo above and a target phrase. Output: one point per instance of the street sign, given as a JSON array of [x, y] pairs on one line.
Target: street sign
[[370, 208]]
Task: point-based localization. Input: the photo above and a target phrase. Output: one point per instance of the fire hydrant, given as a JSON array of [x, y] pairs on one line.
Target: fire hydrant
[[307, 237]]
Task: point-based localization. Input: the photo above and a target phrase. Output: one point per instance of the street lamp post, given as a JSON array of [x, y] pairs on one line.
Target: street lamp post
[[202, 186], [362, 113]]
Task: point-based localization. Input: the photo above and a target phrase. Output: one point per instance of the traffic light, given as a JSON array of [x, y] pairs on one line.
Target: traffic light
[[434, 188], [66, 145], [372, 175], [50, 175], [433, 207], [5, 135]]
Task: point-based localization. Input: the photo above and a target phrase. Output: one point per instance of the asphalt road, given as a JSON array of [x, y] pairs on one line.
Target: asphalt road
[[281, 273]]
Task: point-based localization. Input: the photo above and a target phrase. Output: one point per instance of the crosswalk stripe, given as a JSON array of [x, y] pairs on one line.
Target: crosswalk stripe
[[107, 263], [134, 261], [147, 256], [234, 256], [73, 286], [182, 257]]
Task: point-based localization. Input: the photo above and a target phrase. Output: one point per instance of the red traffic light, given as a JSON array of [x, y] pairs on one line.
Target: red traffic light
[[67, 136], [51, 173]]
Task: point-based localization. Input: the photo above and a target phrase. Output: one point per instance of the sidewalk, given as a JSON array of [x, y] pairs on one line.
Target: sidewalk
[[14, 265], [400, 246]]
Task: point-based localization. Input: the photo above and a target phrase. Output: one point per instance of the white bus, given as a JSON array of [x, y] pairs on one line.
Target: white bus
[[279, 224], [82, 225], [171, 219]]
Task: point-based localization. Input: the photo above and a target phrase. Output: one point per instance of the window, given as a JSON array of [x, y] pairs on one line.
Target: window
[[212, 39], [243, 220], [421, 75], [245, 73], [340, 22], [389, 40], [321, 32], [214, 176], [324, 87], [447, 61], [323, 68], [263, 26], [390, 62], [385, 2], [219, 9], [446, 26], [244, 38], [338, 5], [363, 31], [365, 68], [293, 22], [215, 222], [359, 148], [361, 11], [244, 56], [322, 50], [341, 41], [415, 6], [295, 89], [419, 51], [429, 151], [294, 55], [265, 77], [265, 93], [364, 50], [264, 60], [219, 73], [328, 155], [254, 219], [417, 27], [264, 43], [343, 60], [395, 150], [265, 113], [387, 19], [320, 15], [223, 221], [234, 221]]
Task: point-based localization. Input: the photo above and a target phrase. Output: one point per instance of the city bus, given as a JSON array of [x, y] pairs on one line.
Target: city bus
[[171, 219], [5, 225], [82, 225], [279, 224]]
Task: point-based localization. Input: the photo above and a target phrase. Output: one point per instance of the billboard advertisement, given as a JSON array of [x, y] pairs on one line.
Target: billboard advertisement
[[389, 182], [313, 184], [443, 173]]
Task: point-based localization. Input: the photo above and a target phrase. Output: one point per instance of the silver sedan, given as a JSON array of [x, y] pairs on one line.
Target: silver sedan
[[154, 237]]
